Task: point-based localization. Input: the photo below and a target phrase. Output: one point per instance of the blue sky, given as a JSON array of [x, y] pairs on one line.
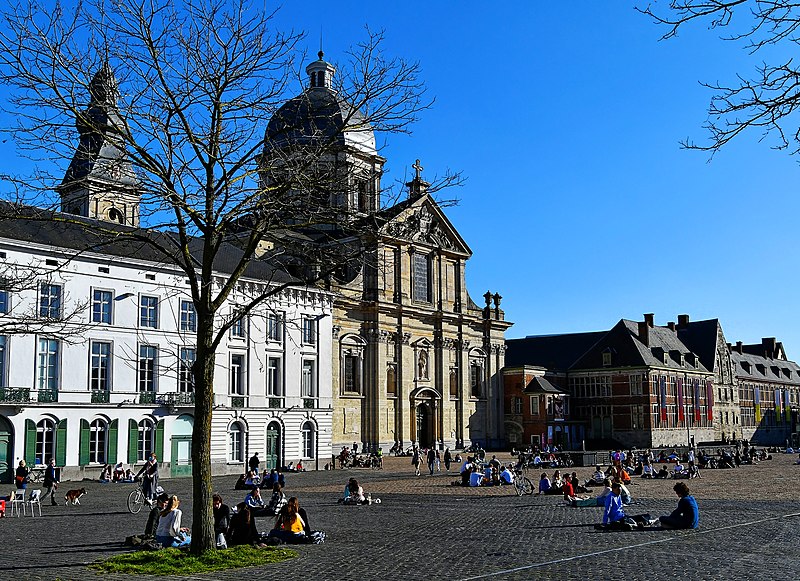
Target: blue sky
[[580, 206]]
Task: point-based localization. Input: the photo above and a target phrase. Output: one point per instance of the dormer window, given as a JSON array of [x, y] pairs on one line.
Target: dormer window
[[607, 359]]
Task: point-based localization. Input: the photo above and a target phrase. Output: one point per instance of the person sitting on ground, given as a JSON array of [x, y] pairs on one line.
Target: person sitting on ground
[[624, 493], [222, 520], [686, 515], [242, 529], [129, 476], [639, 470], [353, 492], [678, 468], [241, 482], [119, 472], [475, 477], [299, 467], [466, 471], [506, 476], [647, 470], [663, 473], [557, 481], [273, 477], [623, 475], [155, 515], [569, 492], [597, 478], [255, 503], [105, 473], [598, 500], [289, 526], [252, 479], [169, 532], [693, 471], [544, 484], [277, 500], [576, 484], [613, 513]]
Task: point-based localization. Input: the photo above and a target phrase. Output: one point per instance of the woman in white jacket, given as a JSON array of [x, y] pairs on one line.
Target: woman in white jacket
[[169, 532]]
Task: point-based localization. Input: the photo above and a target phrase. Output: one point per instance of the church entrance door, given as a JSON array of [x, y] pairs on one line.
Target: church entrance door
[[424, 425]]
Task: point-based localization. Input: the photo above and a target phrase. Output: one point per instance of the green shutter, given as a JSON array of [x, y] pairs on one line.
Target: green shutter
[[30, 442], [61, 443], [83, 457], [133, 440], [160, 440], [113, 428]]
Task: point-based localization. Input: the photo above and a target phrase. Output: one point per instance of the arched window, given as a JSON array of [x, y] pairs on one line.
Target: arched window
[[476, 373], [308, 434], [236, 442], [146, 440], [98, 438], [352, 364], [45, 441], [391, 380], [453, 382]]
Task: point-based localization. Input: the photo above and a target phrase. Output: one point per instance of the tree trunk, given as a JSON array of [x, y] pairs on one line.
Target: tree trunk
[[203, 538]]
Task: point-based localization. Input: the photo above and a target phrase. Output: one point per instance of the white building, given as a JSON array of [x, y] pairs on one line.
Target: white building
[[116, 384]]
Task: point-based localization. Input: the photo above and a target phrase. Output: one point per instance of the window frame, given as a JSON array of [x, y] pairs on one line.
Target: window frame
[[145, 439], [50, 301], [152, 380], [308, 331], [187, 316], [98, 450], [102, 380], [275, 327], [274, 379], [236, 438], [185, 373], [308, 380], [101, 316], [153, 314], [237, 371], [44, 449], [49, 360], [419, 258], [308, 437]]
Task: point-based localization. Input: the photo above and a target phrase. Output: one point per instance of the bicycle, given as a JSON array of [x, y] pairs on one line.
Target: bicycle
[[522, 484], [137, 498]]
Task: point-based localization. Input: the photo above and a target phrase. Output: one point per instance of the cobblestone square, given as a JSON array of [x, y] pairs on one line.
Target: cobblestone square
[[426, 529]]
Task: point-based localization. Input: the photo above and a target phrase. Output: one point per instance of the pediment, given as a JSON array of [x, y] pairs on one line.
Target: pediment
[[423, 222]]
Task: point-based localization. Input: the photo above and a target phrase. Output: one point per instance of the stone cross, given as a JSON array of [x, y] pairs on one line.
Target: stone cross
[[419, 169]]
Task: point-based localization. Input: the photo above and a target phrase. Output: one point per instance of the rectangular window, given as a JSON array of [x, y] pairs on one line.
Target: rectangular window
[[516, 404], [636, 383], [309, 331], [148, 359], [185, 373], [274, 376], [49, 363], [307, 380], [3, 359], [148, 312], [238, 328], [3, 302], [237, 375], [352, 374], [421, 274], [476, 379], [100, 372], [188, 317], [534, 405], [274, 327], [50, 301], [101, 306]]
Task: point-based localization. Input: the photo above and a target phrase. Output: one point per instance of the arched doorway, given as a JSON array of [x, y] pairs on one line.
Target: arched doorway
[[181, 458], [424, 425], [272, 459], [6, 449]]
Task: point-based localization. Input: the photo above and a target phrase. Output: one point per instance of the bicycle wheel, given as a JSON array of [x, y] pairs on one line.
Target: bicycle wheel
[[527, 486], [135, 501]]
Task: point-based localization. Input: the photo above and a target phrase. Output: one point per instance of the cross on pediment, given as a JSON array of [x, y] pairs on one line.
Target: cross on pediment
[[418, 168]]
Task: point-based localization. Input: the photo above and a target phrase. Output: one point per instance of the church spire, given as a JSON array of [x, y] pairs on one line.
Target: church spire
[[100, 182]]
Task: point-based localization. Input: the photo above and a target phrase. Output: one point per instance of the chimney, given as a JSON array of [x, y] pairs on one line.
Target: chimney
[[683, 320], [739, 347], [644, 333], [648, 318], [769, 344], [671, 326]]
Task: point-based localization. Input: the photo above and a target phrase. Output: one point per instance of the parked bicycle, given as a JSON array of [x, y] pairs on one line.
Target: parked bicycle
[[522, 484]]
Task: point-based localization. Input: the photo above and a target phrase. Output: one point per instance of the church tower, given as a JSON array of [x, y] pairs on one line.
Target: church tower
[[100, 182]]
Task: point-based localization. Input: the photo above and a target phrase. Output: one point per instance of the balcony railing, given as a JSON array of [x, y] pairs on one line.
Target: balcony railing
[[237, 401], [177, 399], [147, 397], [309, 402], [48, 395], [275, 402], [15, 394], [100, 396]]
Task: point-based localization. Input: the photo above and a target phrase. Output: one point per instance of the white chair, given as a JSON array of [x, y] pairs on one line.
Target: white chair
[[17, 501], [35, 499]]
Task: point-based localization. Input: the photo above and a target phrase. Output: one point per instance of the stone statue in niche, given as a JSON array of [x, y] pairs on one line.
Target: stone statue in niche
[[422, 365]]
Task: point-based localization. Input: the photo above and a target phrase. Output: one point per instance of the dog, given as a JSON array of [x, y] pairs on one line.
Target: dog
[[73, 496]]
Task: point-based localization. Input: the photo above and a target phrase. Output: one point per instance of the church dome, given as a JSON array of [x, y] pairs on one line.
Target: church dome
[[319, 114]]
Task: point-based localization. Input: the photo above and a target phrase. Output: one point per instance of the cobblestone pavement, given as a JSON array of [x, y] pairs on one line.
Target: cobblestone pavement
[[426, 529]]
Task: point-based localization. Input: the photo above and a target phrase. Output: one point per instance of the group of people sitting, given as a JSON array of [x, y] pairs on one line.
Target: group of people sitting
[[493, 474], [252, 479], [354, 494], [238, 527], [685, 516], [116, 474]]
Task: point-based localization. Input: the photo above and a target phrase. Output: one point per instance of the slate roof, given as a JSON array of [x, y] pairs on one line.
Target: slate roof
[[541, 385], [554, 352], [759, 368], [701, 337], [78, 234]]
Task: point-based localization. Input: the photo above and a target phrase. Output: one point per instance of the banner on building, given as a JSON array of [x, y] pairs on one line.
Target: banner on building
[[697, 400], [663, 405], [680, 399], [709, 400], [787, 406], [757, 398], [778, 414]]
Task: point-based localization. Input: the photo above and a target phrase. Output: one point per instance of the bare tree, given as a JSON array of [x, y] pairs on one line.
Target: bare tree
[[178, 108], [766, 100]]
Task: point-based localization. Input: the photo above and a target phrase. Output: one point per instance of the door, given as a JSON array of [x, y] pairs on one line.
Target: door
[[424, 439], [181, 447], [273, 455], [6, 449]]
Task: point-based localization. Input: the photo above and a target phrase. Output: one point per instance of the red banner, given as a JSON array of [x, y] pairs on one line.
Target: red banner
[[697, 400], [680, 399], [709, 400]]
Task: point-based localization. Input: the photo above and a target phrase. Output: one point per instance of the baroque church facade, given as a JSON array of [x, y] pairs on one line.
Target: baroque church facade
[[414, 359]]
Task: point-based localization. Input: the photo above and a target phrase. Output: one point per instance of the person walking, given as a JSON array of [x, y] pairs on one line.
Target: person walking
[[253, 463], [416, 460], [448, 458], [431, 458], [51, 481]]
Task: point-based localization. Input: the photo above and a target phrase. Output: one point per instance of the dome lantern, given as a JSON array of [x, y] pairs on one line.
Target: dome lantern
[[320, 73]]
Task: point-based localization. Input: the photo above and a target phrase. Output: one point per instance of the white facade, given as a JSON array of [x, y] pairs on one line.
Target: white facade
[[115, 389]]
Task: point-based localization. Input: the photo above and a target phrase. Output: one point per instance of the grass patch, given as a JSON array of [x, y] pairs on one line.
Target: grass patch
[[177, 562]]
